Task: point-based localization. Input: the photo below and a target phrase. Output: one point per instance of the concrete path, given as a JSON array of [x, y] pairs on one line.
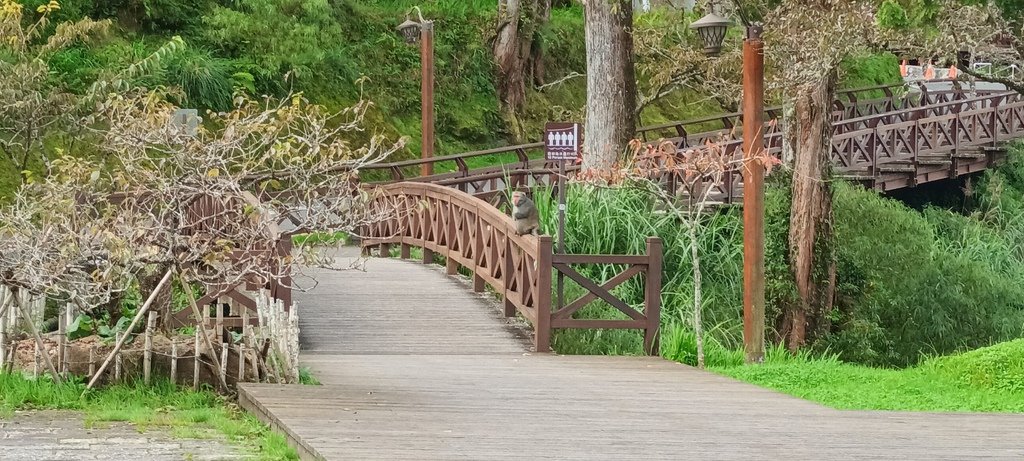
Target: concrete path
[[63, 436]]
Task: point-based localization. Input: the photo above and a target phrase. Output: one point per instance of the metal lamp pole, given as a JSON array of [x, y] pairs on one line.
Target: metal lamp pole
[[712, 29], [423, 32], [427, 90], [753, 195]]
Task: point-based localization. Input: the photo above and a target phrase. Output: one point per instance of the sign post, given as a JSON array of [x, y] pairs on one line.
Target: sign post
[[561, 143], [186, 120]]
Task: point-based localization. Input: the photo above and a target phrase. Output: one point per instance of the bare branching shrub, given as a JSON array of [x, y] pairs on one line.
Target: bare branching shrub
[[217, 206]]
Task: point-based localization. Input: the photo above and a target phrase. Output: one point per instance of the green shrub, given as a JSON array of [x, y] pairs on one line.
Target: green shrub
[[206, 80], [913, 283], [998, 367]]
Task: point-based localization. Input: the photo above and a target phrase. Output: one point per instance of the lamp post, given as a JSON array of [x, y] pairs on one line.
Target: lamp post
[[422, 31], [711, 29]]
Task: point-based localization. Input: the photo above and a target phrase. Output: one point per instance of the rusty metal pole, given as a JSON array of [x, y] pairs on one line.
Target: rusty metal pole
[[753, 196], [427, 92]]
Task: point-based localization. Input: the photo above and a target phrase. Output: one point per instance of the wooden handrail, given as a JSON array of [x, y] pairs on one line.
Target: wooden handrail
[[683, 137], [471, 233]]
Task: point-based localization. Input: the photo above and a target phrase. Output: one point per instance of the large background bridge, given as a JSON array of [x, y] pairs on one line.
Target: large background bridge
[[885, 137]]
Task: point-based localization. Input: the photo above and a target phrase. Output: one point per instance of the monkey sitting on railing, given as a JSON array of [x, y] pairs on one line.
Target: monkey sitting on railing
[[525, 214]]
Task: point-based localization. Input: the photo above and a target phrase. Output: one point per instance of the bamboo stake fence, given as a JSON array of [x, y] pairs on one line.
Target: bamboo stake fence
[[266, 351]]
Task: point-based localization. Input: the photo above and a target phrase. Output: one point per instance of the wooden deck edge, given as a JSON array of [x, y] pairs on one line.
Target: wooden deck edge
[[253, 406]]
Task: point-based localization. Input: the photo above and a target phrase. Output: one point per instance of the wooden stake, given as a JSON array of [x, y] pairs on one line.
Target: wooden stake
[[92, 361], [3, 340], [206, 338], [39, 343], [195, 369], [35, 367], [147, 359], [117, 361], [131, 327], [10, 353], [224, 364], [61, 339], [241, 363], [68, 320], [174, 362], [220, 322], [250, 342]]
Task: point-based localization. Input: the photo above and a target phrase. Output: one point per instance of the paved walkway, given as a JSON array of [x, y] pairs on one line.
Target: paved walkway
[[63, 436], [415, 366]]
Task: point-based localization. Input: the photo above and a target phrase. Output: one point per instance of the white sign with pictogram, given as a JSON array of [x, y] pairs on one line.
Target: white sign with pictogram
[[562, 141]]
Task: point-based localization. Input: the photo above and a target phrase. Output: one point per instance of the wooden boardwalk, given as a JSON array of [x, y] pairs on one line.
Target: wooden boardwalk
[[416, 366]]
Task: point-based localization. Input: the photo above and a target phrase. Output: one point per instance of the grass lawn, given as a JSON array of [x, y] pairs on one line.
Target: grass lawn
[[186, 413], [320, 238], [984, 380]]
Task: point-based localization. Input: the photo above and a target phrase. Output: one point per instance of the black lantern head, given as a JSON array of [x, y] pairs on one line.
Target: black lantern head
[[410, 30], [711, 29]]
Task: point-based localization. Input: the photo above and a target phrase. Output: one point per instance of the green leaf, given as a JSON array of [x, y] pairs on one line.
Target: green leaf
[[80, 328]]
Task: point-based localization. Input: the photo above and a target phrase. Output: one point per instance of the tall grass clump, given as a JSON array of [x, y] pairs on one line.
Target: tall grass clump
[[618, 221], [909, 283], [205, 80]]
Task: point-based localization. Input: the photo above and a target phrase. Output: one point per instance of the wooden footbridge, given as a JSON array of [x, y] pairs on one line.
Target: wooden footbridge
[[886, 137], [419, 362]]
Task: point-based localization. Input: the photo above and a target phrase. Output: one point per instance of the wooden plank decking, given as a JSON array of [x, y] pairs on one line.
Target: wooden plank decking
[[415, 366]]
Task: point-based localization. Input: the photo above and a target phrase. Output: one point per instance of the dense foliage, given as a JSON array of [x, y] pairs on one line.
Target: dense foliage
[[910, 282], [322, 48]]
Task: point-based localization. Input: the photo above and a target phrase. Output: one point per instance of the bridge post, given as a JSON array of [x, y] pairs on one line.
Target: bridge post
[[507, 271], [542, 329], [652, 296]]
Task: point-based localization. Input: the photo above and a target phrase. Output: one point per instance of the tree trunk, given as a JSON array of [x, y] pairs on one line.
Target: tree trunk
[[811, 236], [611, 82], [517, 24], [536, 62]]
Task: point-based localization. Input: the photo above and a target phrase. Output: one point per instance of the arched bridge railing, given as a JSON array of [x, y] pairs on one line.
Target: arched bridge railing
[[471, 233]]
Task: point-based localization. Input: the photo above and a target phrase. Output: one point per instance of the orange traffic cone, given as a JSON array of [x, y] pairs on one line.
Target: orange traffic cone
[[929, 72], [903, 68], [953, 72]]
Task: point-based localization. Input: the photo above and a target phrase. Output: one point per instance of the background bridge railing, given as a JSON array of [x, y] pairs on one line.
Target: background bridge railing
[[881, 149], [471, 233], [849, 104]]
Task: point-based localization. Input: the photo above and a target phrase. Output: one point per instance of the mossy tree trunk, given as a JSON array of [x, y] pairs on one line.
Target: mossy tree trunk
[[811, 233], [611, 82], [517, 56]]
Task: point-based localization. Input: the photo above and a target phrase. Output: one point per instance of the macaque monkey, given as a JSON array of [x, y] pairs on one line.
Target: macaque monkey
[[525, 214]]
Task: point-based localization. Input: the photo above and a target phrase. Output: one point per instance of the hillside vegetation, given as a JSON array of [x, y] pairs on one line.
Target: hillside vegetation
[[336, 51]]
